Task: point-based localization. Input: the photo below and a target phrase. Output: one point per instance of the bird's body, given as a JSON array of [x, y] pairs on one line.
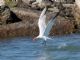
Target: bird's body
[[44, 28]]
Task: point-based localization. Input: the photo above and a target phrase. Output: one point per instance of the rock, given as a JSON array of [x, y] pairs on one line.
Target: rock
[[11, 3], [2, 2], [77, 11], [28, 26], [77, 3], [28, 1], [77, 17], [63, 26], [4, 14], [41, 3], [53, 9]]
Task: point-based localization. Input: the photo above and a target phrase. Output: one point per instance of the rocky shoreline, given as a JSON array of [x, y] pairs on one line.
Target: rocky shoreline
[[28, 25], [23, 22]]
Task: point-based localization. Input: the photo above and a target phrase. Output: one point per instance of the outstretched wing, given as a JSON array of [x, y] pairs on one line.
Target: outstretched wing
[[50, 24], [41, 22]]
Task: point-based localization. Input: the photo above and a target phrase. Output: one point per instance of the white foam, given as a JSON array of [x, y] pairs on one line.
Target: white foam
[[62, 45]]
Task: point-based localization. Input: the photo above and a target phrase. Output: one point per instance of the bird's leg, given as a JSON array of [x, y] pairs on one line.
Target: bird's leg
[[44, 43]]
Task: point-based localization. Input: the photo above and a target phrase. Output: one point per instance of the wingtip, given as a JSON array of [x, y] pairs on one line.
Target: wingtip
[[44, 11], [46, 8]]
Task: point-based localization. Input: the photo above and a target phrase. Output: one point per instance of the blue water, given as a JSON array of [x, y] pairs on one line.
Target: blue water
[[23, 48]]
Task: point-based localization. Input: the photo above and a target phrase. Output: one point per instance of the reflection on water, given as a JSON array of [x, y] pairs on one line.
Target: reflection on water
[[23, 48]]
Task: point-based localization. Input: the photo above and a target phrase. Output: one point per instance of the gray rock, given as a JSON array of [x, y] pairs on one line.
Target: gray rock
[[4, 14], [28, 1], [41, 3], [2, 2]]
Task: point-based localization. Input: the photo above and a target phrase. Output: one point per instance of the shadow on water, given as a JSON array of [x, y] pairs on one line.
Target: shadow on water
[[23, 48]]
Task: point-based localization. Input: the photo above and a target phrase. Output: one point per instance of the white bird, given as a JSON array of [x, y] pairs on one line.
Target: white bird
[[43, 28]]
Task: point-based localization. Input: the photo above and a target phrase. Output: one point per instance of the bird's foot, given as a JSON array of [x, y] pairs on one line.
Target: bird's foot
[[50, 38]]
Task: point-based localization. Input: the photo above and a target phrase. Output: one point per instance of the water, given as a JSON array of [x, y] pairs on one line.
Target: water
[[23, 48]]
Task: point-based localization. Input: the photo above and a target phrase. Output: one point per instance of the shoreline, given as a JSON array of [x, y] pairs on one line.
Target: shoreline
[[28, 25]]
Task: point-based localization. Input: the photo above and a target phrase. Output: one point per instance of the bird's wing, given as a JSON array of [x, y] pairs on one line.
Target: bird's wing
[[41, 22], [50, 24]]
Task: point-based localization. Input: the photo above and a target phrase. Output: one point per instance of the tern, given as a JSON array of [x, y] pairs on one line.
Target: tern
[[44, 28]]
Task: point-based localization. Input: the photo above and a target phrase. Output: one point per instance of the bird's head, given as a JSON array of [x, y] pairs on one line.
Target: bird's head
[[35, 38]]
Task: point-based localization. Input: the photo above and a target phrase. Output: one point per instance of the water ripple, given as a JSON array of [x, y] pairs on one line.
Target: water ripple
[[58, 48]]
